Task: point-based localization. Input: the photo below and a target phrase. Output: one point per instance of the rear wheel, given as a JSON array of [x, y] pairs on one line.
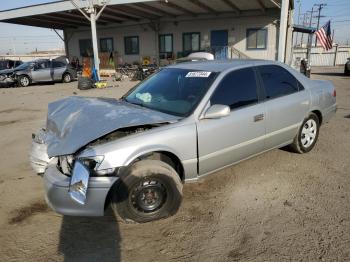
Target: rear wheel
[[66, 78], [307, 135], [148, 190], [23, 81], [346, 70]]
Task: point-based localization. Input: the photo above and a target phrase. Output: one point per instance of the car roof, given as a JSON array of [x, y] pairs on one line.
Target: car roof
[[221, 65]]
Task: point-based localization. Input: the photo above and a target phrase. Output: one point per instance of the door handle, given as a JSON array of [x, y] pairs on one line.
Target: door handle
[[258, 117]]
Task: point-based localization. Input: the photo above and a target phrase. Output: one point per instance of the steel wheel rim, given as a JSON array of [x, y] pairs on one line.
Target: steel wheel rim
[[148, 196], [308, 133], [24, 81]]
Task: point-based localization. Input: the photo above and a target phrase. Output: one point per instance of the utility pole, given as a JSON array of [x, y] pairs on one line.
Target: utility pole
[[302, 34], [309, 39], [320, 7], [296, 38]]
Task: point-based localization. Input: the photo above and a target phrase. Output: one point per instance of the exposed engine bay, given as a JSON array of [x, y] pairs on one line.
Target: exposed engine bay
[[65, 163]]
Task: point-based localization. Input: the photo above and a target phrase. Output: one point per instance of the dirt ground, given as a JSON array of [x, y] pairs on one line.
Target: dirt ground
[[279, 206]]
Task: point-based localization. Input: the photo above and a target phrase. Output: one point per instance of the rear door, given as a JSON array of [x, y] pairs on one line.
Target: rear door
[[286, 102], [58, 69], [224, 141], [42, 71]]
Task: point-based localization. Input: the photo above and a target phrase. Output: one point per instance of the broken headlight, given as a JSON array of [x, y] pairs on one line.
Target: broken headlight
[[93, 163], [39, 137], [66, 164]]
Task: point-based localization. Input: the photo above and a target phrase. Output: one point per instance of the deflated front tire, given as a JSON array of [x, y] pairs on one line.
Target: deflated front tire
[[148, 190]]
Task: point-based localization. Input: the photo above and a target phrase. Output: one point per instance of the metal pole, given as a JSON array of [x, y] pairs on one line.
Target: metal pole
[[296, 38], [283, 31], [94, 41], [335, 55]]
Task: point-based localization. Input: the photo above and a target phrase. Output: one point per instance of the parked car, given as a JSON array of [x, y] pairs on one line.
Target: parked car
[[197, 56], [43, 70], [347, 67], [9, 64], [182, 123]]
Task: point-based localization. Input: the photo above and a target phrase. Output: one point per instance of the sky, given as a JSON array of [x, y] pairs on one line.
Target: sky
[[337, 11], [24, 39]]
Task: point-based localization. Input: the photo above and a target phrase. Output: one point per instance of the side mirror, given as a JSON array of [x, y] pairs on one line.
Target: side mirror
[[217, 111]]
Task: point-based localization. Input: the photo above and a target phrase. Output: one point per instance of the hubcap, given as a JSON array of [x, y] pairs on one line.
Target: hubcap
[[308, 133], [67, 78], [24, 81], [148, 196]]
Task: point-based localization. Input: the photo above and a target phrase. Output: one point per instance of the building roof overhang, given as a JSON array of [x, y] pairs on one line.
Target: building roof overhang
[[64, 14]]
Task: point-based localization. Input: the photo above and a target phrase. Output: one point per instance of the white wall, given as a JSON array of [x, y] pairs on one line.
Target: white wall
[[236, 27]]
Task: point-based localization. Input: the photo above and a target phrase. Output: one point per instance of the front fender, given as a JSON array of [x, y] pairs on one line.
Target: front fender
[[179, 140]]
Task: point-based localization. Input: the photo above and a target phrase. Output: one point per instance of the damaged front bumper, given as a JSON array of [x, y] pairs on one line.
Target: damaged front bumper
[[7, 81], [58, 188], [59, 199], [38, 156]]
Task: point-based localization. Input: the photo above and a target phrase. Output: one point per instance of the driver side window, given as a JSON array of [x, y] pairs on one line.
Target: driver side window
[[237, 89]]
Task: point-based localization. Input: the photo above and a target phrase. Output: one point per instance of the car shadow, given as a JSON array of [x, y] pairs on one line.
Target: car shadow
[[90, 238]]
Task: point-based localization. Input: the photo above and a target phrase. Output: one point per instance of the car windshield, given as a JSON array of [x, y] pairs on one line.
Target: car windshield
[[173, 91], [23, 66]]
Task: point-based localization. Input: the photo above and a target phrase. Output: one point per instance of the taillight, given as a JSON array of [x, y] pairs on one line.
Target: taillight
[[334, 93]]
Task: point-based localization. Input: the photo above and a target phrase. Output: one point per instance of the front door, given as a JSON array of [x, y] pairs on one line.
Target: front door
[[42, 71], [227, 140], [219, 43]]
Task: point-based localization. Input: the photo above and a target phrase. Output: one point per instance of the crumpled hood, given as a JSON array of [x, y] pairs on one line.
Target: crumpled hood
[[7, 71], [74, 122]]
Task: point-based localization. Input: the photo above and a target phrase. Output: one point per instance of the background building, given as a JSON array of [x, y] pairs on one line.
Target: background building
[[169, 29]]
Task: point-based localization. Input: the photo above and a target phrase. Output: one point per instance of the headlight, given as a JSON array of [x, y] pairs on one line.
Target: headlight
[[39, 137], [93, 162], [2, 77], [66, 164]]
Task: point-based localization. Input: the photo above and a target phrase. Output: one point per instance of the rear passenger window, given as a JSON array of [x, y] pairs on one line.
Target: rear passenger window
[[57, 64], [237, 89], [278, 81]]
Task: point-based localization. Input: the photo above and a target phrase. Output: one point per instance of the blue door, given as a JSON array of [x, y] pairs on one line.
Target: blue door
[[219, 43]]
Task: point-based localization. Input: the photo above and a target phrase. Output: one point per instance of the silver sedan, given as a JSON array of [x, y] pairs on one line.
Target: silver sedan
[[183, 123]]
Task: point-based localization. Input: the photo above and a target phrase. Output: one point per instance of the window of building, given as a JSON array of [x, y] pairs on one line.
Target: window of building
[[131, 45], [191, 42], [85, 46], [256, 38], [237, 89], [106, 45], [165, 46], [278, 81]]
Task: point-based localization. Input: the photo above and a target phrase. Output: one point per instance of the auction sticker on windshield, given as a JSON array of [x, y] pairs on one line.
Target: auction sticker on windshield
[[198, 74]]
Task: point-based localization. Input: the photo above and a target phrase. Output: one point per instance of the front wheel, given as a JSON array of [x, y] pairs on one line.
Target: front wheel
[[149, 190], [307, 135], [24, 81]]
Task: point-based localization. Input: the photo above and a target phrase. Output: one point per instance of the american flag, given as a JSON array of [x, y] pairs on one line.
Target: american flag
[[324, 36]]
